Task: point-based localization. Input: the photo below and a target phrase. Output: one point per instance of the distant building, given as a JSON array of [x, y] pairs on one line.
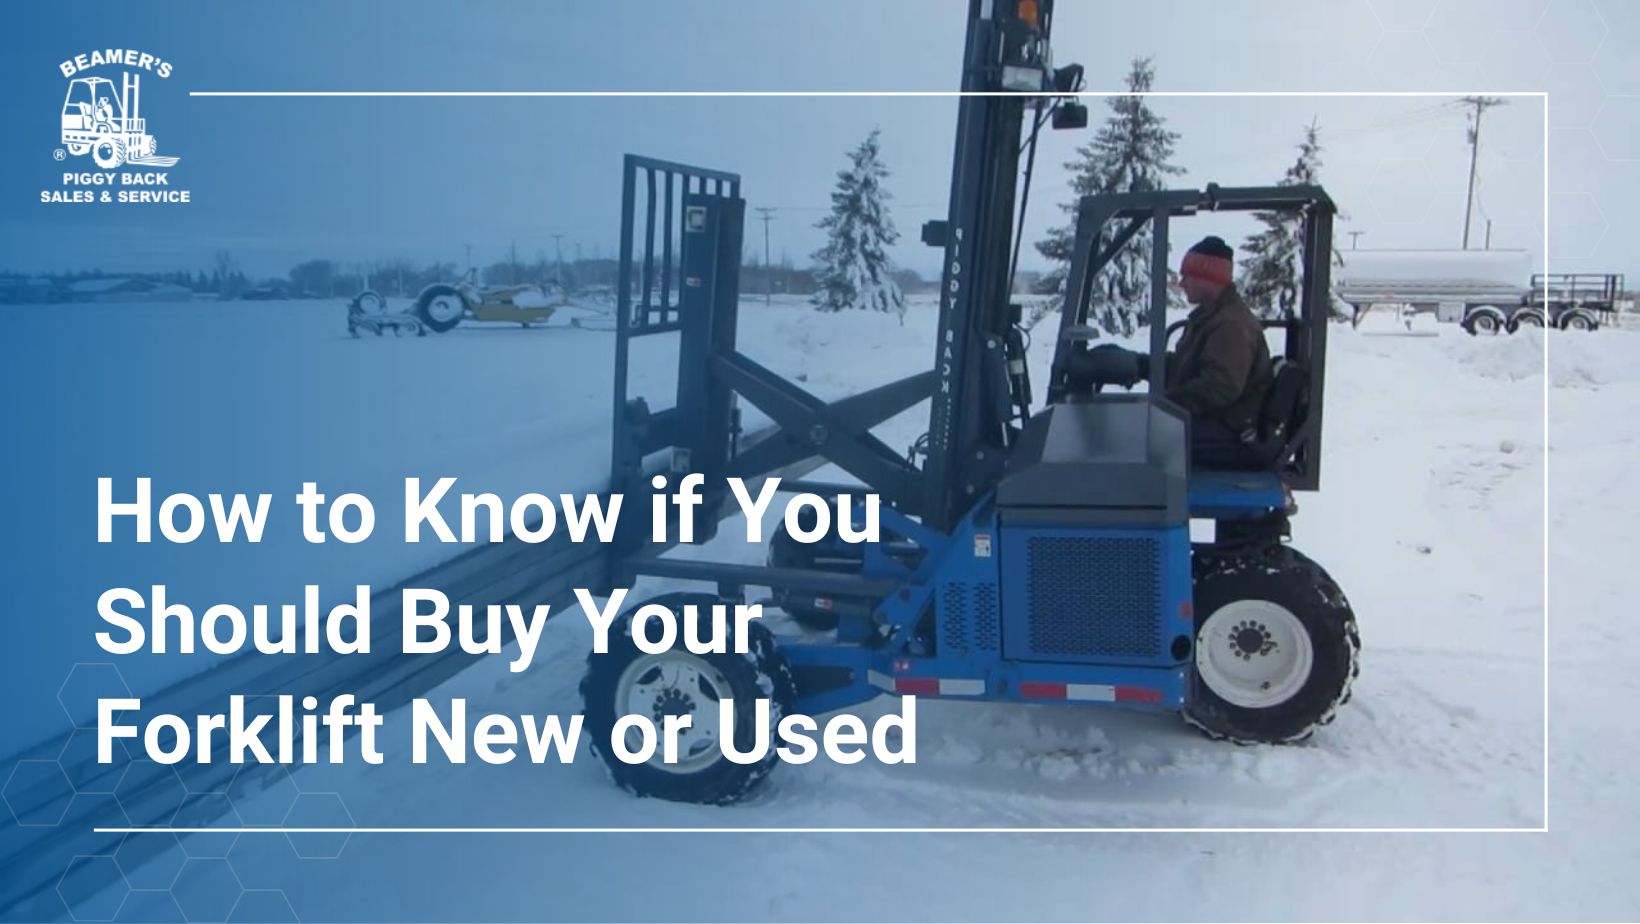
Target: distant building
[[127, 289]]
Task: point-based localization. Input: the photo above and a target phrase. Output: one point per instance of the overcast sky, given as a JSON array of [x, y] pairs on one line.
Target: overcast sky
[[279, 180]]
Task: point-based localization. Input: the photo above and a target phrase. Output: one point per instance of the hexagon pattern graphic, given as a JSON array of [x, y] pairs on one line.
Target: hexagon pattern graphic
[[318, 810], [206, 889], [1579, 53], [37, 792], [85, 684], [1571, 30], [92, 888], [262, 795]]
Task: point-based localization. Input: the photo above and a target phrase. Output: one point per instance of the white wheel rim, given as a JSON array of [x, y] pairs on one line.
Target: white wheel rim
[[1254, 654], [1530, 320], [371, 304], [1486, 324], [1577, 322], [674, 683], [443, 308]]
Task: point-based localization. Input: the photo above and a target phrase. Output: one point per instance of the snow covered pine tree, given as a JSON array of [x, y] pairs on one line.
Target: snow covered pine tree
[[1270, 276], [1130, 153], [853, 268]]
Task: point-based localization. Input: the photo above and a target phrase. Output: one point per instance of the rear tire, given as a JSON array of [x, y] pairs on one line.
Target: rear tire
[[1276, 648], [1577, 320], [625, 680], [440, 307]]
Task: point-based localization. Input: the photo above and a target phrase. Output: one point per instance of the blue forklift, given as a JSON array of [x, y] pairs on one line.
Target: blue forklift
[[1031, 554]]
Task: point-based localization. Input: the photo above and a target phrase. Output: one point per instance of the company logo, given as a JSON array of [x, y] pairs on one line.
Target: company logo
[[102, 127]]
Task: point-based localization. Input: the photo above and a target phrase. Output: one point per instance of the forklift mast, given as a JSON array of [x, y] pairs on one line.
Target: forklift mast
[[971, 418]]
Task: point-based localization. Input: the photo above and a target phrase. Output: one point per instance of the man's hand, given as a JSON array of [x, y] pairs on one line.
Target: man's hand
[[1108, 364]]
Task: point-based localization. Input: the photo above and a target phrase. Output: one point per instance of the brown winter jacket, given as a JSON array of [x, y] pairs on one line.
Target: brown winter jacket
[[1221, 369]]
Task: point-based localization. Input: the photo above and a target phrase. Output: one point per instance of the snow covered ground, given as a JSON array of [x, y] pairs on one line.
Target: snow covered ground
[[1431, 518]]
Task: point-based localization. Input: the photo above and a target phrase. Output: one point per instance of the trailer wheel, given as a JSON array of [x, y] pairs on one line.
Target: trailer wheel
[[1483, 323], [1276, 648], [627, 681], [440, 307], [1525, 319], [1577, 320], [107, 152]]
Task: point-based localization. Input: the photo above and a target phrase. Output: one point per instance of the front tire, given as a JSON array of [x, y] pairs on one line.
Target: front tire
[[440, 307], [625, 680], [1276, 648], [108, 152]]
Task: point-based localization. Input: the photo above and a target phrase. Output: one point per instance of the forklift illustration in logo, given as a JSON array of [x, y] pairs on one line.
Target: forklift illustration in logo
[[106, 124]]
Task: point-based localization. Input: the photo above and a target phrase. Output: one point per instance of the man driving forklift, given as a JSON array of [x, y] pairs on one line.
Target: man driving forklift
[[1219, 373]]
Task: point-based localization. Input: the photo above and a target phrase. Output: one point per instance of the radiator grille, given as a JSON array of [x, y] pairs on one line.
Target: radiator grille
[[954, 619], [969, 619], [987, 632], [1094, 597]]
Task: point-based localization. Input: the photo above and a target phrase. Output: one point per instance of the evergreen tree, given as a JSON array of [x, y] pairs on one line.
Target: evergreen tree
[[1131, 152], [853, 269], [1272, 275]]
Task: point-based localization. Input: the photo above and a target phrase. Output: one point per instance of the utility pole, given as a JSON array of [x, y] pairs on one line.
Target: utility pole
[[1489, 234], [469, 256], [558, 248], [1481, 104], [1354, 236], [767, 214]]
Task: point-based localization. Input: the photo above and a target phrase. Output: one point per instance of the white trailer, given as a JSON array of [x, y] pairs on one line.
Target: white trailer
[[1484, 290]]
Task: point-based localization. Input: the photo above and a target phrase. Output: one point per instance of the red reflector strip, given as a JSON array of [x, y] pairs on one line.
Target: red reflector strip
[[1041, 689], [927, 686], [1126, 694], [1081, 692]]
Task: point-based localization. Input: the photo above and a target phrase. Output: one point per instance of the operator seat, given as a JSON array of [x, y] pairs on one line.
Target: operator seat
[[1286, 406]]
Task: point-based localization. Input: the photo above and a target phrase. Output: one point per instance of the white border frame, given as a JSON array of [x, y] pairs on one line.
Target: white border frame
[[1090, 94]]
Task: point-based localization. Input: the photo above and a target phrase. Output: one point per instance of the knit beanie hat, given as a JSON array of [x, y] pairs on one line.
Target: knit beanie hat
[[1211, 260]]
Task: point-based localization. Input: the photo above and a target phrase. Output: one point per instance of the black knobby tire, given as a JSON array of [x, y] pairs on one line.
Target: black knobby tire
[[424, 304], [1291, 581], [761, 673]]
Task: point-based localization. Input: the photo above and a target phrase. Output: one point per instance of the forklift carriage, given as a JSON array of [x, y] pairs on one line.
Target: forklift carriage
[[1039, 556]]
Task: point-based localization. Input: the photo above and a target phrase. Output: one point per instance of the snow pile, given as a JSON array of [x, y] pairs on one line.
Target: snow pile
[[1509, 357], [1583, 361]]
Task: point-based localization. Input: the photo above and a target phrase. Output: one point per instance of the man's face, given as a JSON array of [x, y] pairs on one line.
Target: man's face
[[1198, 291]]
